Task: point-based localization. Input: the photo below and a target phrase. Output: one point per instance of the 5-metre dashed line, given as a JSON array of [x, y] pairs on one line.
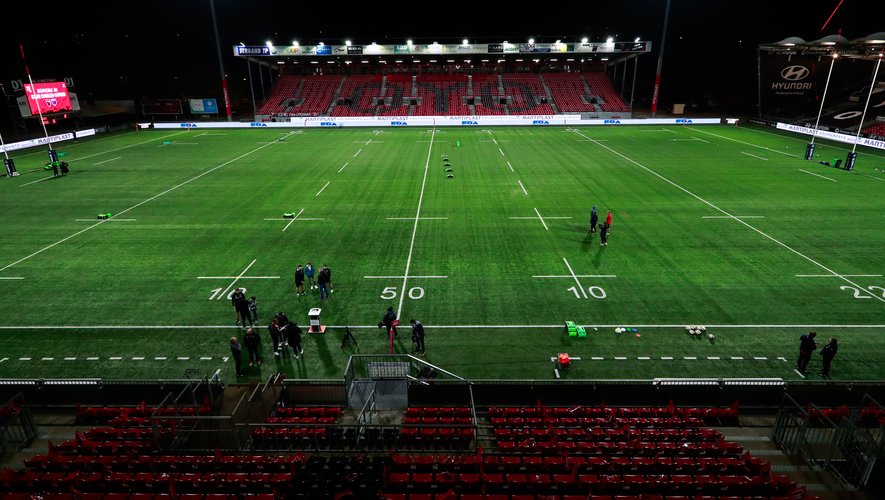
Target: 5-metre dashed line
[[321, 189], [520, 185], [724, 212]]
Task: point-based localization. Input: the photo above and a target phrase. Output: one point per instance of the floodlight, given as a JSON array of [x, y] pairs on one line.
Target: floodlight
[[609, 40], [294, 43], [558, 42], [465, 42], [636, 40], [584, 40], [321, 44], [347, 42], [531, 40], [409, 42], [269, 43]]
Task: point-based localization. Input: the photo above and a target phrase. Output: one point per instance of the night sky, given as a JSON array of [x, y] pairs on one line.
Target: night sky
[[166, 48]]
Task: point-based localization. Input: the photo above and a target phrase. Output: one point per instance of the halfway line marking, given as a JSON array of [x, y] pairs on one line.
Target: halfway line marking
[[402, 295]]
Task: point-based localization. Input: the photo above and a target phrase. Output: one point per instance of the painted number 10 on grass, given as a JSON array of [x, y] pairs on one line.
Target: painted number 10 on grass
[[595, 291]]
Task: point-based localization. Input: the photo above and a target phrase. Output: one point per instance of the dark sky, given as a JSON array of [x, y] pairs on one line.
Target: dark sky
[[165, 48]]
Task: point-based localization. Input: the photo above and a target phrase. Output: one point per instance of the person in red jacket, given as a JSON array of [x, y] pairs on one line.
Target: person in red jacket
[[606, 228]]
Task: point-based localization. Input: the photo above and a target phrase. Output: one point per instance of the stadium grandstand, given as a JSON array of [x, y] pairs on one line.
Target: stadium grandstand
[[452, 183]]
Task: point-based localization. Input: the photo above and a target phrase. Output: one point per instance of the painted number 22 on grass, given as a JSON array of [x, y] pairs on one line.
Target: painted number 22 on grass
[[390, 292], [595, 291]]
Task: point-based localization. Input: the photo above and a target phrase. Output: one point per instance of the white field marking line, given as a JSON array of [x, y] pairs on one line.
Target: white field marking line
[[746, 143], [799, 373], [402, 294], [805, 141], [321, 189], [597, 140], [400, 277], [732, 217], [224, 359], [422, 218], [209, 134], [542, 221], [502, 152], [205, 358], [71, 358], [838, 275], [125, 147], [689, 357], [12, 277], [3, 360], [463, 327], [533, 218], [556, 372], [760, 358], [224, 293], [872, 176], [134, 206], [137, 358], [818, 175], [75, 143], [654, 130], [621, 358], [580, 286], [575, 275], [296, 216], [342, 168], [690, 140], [160, 358], [92, 358], [357, 153], [643, 358], [241, 277], [105, 161], [736, 358], [38, 180], [713, 357], [597, 358], [666, 358], [111, 219], [115, 358], [199, 135], [24, 359], [176, 143], [523, 187], [782, 359], [47, 359], [496, 142], [511, 167], [289, 218], [724, 212], [754, 156]]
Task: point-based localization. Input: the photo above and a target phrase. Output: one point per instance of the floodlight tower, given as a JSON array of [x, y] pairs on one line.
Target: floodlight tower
[[225, 92], [654, 97]]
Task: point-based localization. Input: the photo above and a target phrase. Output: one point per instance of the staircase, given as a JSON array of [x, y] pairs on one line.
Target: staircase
[[335, 97], [550, 99]]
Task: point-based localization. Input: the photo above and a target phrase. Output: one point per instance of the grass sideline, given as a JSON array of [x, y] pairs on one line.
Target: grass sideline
[[192, 204]]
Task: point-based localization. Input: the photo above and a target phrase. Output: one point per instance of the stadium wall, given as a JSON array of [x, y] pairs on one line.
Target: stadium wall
[[835, 136]]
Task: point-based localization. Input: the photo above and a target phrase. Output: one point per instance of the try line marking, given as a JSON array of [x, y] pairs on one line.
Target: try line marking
[[818, 175], [402, 295], [724, 212], [754, 156], [152, 198]]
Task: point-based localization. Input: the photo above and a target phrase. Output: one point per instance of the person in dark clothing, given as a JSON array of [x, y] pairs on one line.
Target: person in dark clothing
[[64, 168], [603, 235], [55, 169], [252, 342], [324, 280], [299, 280], [253, 310], [293, 336], [236, 350], [827, 354], [594, 218], [348, 336], [418, 336], [283, 324], [387, 322], [807, 345], [241, 306], [274, 329]]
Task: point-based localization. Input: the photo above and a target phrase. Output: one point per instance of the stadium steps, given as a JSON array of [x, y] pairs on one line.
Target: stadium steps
[[336, 96], [754, 435], [550, 99], [56, 426]]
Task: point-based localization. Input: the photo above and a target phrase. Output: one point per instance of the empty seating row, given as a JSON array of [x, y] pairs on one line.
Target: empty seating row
[[579, 464], [168, 463], [637, 448], [613, 411], [636, 422], [442, 411], [438, 420], [798, 494], [134, 496], [104, 414], [693, 484], [608, 434]]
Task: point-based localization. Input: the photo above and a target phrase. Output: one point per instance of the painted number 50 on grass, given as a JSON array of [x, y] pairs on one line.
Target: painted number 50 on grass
[[390, 293]]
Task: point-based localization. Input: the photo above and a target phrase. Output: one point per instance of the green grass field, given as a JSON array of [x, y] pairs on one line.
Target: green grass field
[[718, 226]]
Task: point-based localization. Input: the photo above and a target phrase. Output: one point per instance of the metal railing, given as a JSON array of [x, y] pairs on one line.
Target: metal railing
[[17, 427]]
